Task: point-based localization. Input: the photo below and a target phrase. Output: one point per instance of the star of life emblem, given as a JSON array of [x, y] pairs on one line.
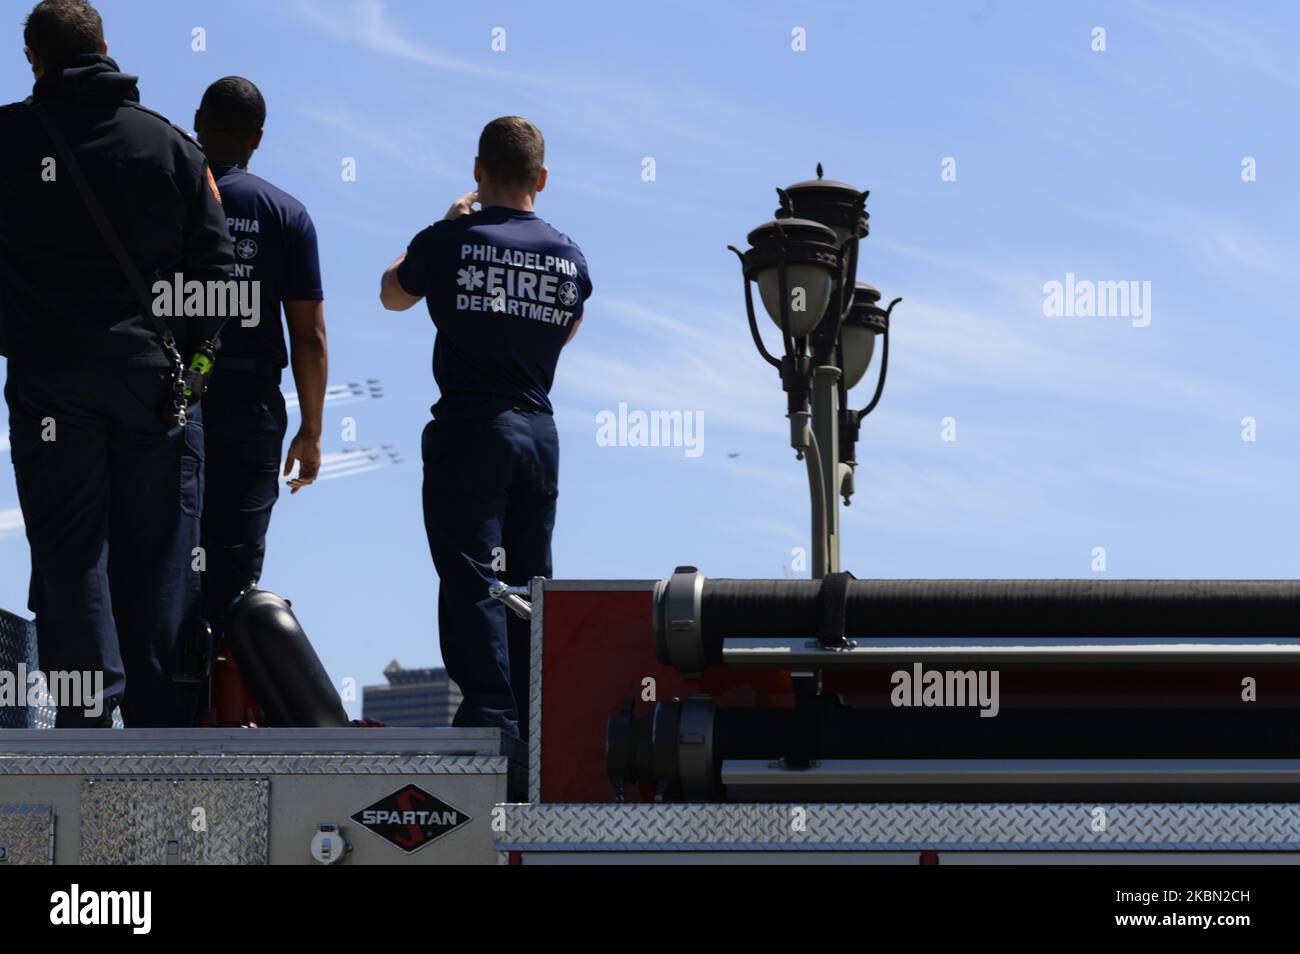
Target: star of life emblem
[[469, 278]]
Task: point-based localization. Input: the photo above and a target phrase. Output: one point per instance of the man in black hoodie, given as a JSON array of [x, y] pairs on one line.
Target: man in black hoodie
[[110, 489]]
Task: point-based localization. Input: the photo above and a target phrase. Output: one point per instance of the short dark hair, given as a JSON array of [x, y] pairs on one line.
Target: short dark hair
[[512, 151], [232, 109], [58, 31]]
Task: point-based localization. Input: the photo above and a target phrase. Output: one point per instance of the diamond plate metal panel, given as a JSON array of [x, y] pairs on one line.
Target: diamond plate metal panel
[[152, 821], [537, 598], [42, 717], [17, 641], [15, 647], [902, 827], [18, 646], [251, 764], [26, 835]]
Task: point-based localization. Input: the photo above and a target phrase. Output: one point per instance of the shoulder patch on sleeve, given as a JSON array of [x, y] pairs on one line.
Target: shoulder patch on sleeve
[[212, 184]]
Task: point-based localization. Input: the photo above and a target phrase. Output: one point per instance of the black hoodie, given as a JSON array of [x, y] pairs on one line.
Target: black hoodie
[[64, 301]]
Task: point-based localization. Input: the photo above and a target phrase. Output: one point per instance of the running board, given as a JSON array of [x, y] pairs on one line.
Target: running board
[[883, 780]]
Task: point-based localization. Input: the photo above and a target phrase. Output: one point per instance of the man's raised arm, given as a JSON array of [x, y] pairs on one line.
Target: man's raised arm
[[391, 293]]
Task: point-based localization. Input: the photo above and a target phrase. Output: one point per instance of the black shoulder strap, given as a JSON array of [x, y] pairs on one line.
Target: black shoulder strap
[[110, 235]]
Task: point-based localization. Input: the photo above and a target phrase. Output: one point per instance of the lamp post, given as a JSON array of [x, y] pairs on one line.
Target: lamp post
[[805, 265]]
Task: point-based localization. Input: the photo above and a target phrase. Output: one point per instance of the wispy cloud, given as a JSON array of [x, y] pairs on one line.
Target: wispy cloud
[[366, 23], [626, 111], [403, 143], [632, 195], [691, 359], [1218, 41], [11, 522]]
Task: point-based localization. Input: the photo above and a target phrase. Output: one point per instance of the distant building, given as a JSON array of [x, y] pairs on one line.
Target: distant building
[[414, 697]]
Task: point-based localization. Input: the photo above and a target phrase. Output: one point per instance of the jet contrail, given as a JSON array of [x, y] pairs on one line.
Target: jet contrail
[[352, 453], [356, 460], [339, 394], [335, 475]]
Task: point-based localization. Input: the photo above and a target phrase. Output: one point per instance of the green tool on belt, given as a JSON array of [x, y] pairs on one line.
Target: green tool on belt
[[199, 373]]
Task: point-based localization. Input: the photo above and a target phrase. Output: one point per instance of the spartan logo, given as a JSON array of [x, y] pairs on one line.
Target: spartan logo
[[411, 818]]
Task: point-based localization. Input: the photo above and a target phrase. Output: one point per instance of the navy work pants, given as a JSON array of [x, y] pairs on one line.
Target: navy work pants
[[244, 421], [111, 498], [491, 474]]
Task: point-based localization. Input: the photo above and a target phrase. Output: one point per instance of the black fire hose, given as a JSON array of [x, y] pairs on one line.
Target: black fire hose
[[694, 616], [279, 664], [688, 749]]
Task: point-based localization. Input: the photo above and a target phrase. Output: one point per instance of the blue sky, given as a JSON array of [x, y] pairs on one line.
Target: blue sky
[[1072, 433]]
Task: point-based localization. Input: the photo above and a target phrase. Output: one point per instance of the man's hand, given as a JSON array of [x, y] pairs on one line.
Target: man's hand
[[305, 451], [462, 206]]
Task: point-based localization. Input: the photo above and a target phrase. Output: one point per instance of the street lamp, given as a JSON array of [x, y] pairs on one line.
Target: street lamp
[[858, 334], [794, 262], [866, 321], [805, 265]]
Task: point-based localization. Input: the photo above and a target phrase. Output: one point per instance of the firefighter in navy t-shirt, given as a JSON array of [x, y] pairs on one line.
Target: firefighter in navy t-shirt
[[275, 246], [505, 291]]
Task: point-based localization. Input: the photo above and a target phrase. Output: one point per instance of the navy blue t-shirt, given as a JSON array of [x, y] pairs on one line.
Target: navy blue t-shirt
[[504, 290], [275, 244]]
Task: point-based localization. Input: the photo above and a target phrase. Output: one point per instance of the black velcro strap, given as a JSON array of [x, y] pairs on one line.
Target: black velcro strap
[[834, 604]]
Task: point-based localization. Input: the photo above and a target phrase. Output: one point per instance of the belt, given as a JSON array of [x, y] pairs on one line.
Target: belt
[[260, 366], [486, 400]]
